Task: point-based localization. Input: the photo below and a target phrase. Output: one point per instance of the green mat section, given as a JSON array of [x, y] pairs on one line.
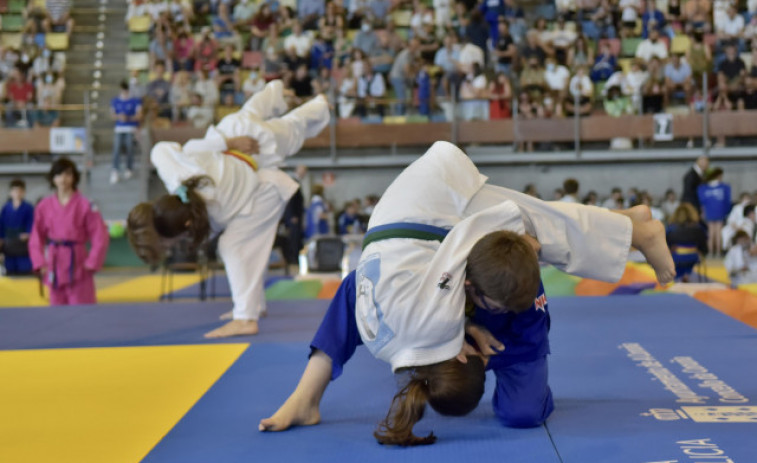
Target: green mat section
[[290, 289], [558, 283]]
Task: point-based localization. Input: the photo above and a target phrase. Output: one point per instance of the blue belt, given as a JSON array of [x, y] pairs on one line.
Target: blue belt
[[416, 231]]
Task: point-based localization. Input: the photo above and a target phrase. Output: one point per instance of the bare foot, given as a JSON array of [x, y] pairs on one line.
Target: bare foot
[[296, 411], [227, 315], [234, 328], [638, 213], [649, 238]]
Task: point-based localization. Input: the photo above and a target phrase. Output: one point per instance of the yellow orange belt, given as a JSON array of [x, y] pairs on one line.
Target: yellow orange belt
[[246, 158], [685, 249]]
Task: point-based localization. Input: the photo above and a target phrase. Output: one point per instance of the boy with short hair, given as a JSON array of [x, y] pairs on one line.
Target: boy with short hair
[[16, 219]]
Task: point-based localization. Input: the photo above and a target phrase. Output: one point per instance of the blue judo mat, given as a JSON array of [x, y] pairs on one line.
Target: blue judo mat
[[661, 378]]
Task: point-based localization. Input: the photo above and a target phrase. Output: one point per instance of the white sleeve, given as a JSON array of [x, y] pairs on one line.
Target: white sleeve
[[734, 260], [586, 241], [173, 164], [269, 102], [213, 141]]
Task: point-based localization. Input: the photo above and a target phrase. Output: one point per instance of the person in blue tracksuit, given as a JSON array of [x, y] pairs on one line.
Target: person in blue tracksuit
[[316, 216], [715, 198], [16, 218]]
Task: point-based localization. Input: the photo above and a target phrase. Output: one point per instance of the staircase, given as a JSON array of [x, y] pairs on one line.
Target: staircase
[[96, 65]]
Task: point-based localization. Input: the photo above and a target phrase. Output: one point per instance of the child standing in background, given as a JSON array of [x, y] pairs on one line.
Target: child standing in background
[[16, 220], [715, 198], [64, 223], [316, 216]]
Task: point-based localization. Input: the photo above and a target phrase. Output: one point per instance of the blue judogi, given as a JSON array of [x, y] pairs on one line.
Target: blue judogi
[[715, 200], [13, 222], [314, 224], [522, 398]]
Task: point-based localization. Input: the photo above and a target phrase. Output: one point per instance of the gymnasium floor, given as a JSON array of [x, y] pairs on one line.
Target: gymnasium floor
[[639, 374]]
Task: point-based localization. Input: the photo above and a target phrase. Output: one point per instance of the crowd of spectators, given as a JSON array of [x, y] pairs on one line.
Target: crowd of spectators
[[31, 74], [379, 58]]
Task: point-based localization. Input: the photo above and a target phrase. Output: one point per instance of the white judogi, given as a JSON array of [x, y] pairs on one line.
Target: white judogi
[[741, 266], [243, 203], [404, 314]]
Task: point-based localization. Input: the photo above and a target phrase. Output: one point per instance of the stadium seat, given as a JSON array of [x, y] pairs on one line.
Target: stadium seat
[[137, 61], [402, 18], [599, 88], [395, 119], [628, 46], [16, 6], [139, 24], [625, 64], [680, 44], [252, 59], [10, 40], [139, 41], [57, 41], [614, 45], [3, 6], [417, 119], [12, 23]]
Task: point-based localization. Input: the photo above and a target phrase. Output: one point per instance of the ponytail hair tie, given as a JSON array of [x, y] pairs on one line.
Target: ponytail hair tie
[[181, 192]]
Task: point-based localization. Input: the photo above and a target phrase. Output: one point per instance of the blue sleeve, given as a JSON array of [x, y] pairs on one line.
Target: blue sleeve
[[28, 218], [2, 221], [700, 193]]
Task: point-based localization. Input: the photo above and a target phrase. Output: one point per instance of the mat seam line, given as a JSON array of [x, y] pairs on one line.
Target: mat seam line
[[554, 446]]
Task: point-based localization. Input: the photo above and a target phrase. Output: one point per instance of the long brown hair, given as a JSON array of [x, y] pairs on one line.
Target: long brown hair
[[451, 388], [171, 215], [685, 214], [505, 268], [142, 235]]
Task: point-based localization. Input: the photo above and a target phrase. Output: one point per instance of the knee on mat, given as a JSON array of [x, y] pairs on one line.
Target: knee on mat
[[521, 418]]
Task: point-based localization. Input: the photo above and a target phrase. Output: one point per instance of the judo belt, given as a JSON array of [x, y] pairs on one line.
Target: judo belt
[[416, 231], [246, 158], [70, 245]]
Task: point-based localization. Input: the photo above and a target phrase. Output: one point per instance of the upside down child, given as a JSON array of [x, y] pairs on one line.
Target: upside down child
[[439, 240]]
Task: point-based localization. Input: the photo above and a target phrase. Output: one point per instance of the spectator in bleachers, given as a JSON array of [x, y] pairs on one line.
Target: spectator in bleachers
[[470, 54], [505, 52], [330, 22], [291, 61], [223, 25], [155, 8], [477, 33], [161, 47], [181, 14], [260, 25], [532, 49], [423, 84], [492, 11], [20, 95], [600, 24], [674, 14], [615, 103], [253, 83], [720, 13], [459, 19], [321, 53], [371, 91], [652, 46], [285, 19], [35, 20], [561, 41], [446, 59], [604, 64], [698, 55], [357, 13], [428, 44], [630, 12], [301, 84], [731, 74], [382, 57], [206, 51], [243, 12], [50, 89], [580, 54], [678, 78], [127, 112], [347, 94], [750, 32], [366, 39], [442, 12], [653, 91], [199, 114], [473, 95], [181, 95], [697, 14], [585, 9], [500, 93], [730, 30], [379, 10], [159, 90], [652, 19], [273, 53], [393, 37], [207, 88], [183, 51], [582, 91], [401, 74], [533, 81], [299, 40], [557, 77], [46, 115], [322, 83], [748, 99], [566, 7], [227, 77], [544, 35], [46, 61], [421, 16], [58, 16]]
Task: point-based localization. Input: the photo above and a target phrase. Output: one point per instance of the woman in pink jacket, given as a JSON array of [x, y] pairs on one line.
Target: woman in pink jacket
[[64, 223]]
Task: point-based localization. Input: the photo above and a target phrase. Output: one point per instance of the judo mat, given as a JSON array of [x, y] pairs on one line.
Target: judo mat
[[660, 378]]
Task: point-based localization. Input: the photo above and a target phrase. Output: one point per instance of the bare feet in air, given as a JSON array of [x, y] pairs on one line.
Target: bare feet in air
[[296, 411], [235, 328], [649, 238]]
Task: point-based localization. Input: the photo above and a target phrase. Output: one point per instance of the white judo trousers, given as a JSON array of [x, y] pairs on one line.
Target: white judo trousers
[[245, 204]]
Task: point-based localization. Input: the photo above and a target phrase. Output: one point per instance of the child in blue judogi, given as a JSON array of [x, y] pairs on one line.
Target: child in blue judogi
[[16, 220]]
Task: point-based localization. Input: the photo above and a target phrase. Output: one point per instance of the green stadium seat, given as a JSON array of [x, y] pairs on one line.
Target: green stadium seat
[[12, 23], [139, 41], [628, 46], [16, 6]]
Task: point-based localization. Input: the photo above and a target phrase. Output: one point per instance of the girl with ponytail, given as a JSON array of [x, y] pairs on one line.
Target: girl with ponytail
[[228, 183]]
